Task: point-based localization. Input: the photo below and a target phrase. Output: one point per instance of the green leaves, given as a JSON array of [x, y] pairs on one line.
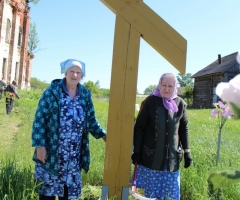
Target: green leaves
[[224, 178], [149, 89], [33, 39], [185, 80], [235, 109]]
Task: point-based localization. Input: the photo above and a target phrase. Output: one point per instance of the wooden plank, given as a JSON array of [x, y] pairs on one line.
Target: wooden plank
[[121, 107], [154, 30]]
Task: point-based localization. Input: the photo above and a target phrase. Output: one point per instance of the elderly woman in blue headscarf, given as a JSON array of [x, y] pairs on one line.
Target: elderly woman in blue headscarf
[[64, 117], [160, 136]]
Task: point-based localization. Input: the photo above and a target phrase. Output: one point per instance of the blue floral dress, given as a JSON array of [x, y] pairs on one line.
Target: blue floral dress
[[71, 130], [163, 185]]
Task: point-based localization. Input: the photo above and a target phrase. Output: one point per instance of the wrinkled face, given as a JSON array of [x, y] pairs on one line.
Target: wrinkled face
[[73, 75], [167, 87]]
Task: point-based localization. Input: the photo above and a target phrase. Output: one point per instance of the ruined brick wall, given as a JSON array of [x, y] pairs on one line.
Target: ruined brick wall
[[14, 58]]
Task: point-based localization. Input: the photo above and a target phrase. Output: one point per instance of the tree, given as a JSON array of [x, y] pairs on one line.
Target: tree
[[188, 94], [97, 84], [185, 80], [38, 85], [32, 1], [150, 89], [33, 39], [91, 86], [104, 92]]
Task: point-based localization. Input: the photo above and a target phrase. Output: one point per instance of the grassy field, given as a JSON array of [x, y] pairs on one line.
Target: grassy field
[[16, 165]]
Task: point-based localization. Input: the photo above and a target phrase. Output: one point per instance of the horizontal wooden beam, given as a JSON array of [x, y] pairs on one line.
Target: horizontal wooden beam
[[153, 29]]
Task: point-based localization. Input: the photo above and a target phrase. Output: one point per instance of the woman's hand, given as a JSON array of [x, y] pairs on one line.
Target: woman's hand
[[41, 154], [136, 157], [187, 159]]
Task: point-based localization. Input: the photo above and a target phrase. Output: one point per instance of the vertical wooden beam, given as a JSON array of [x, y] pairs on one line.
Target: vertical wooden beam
[[121, 107]]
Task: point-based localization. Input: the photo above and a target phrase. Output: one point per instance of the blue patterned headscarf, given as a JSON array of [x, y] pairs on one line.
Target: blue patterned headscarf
[[65, 65], [168, 103]]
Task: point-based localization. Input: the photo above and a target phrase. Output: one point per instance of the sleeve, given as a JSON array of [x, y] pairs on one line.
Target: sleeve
[[7, 89], [140, 126], [92, 123], [39, 128], [15, 92], [183, 130]]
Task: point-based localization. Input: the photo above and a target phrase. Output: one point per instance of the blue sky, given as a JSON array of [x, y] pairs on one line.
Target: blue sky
[[84, 30]]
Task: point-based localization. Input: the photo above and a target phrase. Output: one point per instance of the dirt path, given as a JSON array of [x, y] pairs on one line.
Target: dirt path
[[8, 128]]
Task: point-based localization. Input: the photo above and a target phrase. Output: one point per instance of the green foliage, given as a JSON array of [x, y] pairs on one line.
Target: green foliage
[[103, 93], [188, 92], [33, 39], [36, 84], [33, 1], [188, 95], [204, 138], [236, 110], [91, 86], [16, 181], [30, 94], [149, 89], [97, 84], [224, 178], [16, 165], [185, 80]]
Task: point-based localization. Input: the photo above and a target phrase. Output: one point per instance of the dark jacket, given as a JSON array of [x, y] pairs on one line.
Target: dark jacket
[[158, 134], [11, 91], [45, 131]]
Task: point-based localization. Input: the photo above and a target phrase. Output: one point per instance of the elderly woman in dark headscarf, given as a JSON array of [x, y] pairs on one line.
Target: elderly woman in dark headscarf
[[160, 134], [64, 116]]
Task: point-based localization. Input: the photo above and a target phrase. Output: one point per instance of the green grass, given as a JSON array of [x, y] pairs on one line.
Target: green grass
[[16, 165]]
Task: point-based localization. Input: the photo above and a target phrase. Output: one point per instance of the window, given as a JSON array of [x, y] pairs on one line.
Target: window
[[20, 37], [16, 71], [214, 96], [4, 68], [8, 31]]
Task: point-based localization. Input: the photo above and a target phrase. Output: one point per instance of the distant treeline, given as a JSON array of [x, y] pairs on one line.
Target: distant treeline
[[95, 89]]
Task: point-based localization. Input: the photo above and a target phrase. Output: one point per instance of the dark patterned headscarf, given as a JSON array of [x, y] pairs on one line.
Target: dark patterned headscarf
[[168, 103]]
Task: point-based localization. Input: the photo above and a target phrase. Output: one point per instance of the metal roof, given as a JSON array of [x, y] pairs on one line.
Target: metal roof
[[215, 67]]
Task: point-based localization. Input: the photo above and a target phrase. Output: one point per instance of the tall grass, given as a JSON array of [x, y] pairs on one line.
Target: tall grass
[[16, 165], [16, 181]]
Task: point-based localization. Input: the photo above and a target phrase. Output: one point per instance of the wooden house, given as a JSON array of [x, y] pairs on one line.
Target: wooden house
[[205, 81]]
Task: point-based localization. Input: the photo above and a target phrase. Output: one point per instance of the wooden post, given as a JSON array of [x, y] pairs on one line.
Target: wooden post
[[121, 107], [134, 19]]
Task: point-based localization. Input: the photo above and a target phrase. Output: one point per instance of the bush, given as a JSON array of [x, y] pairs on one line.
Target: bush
[[36, 84], [30, 94]]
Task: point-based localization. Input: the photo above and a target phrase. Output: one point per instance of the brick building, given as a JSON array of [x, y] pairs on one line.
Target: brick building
[[15, 60]]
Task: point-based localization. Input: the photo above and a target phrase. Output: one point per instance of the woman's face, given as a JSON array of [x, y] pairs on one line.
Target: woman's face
[[73, 75], [167, 87]]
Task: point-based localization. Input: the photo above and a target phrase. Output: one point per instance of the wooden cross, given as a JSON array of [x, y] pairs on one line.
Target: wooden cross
[[134, 19]]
